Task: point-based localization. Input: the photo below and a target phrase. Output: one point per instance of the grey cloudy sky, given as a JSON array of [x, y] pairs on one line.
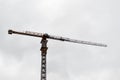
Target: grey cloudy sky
[[91, 20]]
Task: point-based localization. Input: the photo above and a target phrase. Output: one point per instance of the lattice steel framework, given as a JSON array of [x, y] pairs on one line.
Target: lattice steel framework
[[43, 57], [44, 45]]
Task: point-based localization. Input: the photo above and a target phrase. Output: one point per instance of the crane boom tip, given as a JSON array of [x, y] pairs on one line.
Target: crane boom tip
[[10, 31], [105, 45]]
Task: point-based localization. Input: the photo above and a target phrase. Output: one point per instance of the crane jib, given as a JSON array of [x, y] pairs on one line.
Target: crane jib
[[36, 34]]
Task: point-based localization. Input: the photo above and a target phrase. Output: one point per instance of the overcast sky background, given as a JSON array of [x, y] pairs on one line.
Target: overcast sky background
[[91, 20]]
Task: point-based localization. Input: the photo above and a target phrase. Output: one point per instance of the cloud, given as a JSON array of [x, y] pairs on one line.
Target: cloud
[[91, 20], [97, 75]]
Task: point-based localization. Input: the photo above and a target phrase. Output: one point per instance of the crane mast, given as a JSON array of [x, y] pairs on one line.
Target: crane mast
[[44, 47], [43, 57]]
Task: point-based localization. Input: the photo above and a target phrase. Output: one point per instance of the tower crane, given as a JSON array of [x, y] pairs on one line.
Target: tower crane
[[44, 47]]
